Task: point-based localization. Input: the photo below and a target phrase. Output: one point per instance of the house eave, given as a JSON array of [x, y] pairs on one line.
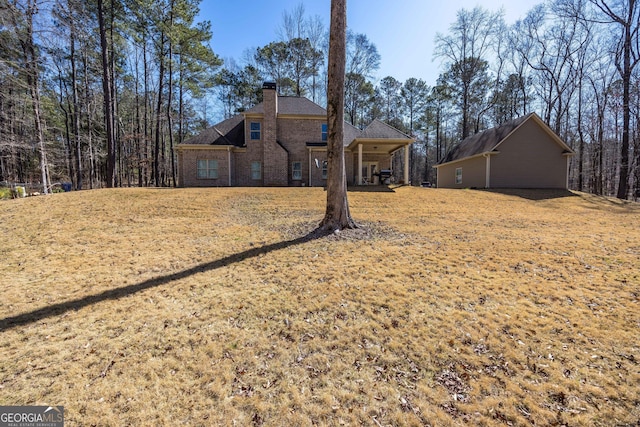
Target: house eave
[[207, 147], [302, 117], [386, 146], [485, 154]]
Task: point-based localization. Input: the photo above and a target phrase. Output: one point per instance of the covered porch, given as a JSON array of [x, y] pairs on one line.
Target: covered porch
[[372, 159]]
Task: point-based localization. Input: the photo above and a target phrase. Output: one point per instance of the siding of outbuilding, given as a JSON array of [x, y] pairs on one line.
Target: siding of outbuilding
[[473, 173], [529, 158]]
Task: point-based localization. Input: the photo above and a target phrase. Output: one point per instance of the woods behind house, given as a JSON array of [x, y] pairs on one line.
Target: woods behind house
[[98, 93]]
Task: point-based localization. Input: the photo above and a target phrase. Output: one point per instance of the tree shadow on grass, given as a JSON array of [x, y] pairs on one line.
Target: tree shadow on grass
[[370, 189], [114, 294]]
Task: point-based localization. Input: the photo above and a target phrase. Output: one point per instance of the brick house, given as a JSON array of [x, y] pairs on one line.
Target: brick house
[[522, 153], [283, 142]]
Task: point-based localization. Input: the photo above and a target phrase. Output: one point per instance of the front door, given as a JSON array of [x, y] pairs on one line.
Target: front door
[[369, 171]]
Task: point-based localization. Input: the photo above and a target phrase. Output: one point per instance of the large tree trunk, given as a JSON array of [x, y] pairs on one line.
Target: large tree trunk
[[337, 215]]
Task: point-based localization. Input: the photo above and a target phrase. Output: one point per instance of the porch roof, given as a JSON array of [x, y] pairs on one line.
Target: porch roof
[[381, 138]]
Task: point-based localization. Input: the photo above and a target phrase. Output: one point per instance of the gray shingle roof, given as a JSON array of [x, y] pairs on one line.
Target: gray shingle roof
[[292, 105], [231, 131], [227, 132], [483, 142], [350, 133], [378, 129]]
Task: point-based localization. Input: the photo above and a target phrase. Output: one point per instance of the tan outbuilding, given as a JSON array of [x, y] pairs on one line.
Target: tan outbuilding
[[523, 153]]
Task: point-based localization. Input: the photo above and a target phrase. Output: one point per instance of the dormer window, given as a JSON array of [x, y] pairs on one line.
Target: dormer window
[[324, 131], [255, 130]]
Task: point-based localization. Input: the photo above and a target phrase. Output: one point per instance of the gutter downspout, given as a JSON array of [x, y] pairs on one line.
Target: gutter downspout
[[406, 164], [566, 184]]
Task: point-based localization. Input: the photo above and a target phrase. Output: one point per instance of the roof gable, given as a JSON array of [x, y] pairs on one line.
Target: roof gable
[[350, 133], [381, 130], [490, 140], [232, 131], [227, 132]]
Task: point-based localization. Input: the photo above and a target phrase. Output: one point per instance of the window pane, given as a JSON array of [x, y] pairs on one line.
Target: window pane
[[324, 131], [255, 130], [256, 170], [297, 171], [213, 169], [207, 169], [202, 168], [324, 170]]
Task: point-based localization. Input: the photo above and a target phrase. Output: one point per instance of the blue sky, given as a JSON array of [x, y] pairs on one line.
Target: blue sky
[[402, 30]]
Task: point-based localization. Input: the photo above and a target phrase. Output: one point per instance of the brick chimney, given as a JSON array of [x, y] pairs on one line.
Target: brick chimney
[[275, 156], [270, 103]]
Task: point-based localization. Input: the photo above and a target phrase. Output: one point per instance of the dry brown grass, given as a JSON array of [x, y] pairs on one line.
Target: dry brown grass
[[203, 307]]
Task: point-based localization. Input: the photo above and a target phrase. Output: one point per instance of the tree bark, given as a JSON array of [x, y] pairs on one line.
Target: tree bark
[[337, 216]]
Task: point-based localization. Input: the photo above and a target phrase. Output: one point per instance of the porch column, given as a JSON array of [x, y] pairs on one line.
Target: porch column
[[487, 178], [229, 163], [359, 164], [310, 169], [406, 164]]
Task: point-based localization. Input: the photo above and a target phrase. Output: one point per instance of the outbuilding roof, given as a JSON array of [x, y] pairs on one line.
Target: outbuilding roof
[[489, 140]]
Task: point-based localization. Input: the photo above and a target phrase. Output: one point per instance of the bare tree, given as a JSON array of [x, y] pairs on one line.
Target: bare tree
[[107, 84], [337, 215], [22, 21], [465, 52], [626, 14]]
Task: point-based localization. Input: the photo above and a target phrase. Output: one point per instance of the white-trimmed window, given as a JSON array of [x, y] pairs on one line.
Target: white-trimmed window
[[254, 127], [296, 171], [207, 169], [256, 170], [324, 169], [458, 175], [324, 131]]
